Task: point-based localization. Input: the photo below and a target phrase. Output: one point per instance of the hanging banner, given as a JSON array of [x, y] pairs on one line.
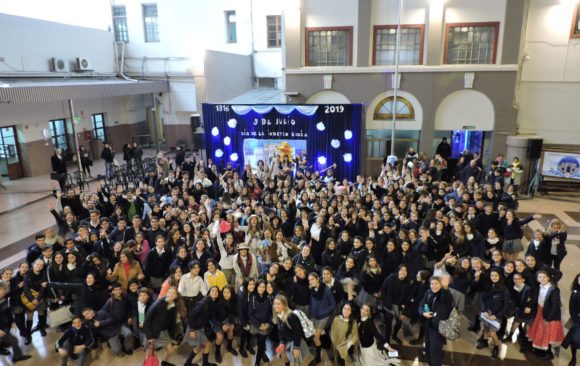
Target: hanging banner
[[246, 134], [561, 165]]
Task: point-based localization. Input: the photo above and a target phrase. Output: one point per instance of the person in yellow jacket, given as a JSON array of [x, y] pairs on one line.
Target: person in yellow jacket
[[213, 276]]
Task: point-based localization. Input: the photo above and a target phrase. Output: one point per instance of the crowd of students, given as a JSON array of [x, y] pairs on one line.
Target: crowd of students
[[201, 256]]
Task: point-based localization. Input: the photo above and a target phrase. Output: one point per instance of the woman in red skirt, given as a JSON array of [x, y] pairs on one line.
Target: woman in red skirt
[[546, 330]]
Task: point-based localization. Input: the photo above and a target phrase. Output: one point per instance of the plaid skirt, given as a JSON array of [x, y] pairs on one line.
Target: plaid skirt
[[543, 334]]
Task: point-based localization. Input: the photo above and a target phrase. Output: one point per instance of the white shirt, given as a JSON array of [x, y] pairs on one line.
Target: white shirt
[[543, 292], [226, 260], [315, 232], [190, 286]]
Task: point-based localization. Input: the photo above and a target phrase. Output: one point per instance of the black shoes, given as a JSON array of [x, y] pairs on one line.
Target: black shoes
[[416, 342], [232, 350], [546, 356], [474, 328], [243, 352], [495, 352], [265, 358], [314, 362], [250, 349], [481, 344], [4, 351], [21, 358], [27, 340], [218, 356]]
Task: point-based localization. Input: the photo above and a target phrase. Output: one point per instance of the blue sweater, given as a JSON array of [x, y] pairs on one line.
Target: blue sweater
[[321, 302]]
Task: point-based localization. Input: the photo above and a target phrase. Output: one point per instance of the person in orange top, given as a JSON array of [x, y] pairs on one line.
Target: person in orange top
[[175, 274]]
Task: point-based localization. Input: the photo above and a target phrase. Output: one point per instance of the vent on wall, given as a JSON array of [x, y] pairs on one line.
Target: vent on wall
[[83, 64], [57, 65], [266, 83]]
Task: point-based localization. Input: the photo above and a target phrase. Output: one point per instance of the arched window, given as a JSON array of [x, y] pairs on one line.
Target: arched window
[[384, 110]]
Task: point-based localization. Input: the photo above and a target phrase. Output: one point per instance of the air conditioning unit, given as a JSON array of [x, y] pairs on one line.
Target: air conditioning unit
[[57, 65], [83, 64]]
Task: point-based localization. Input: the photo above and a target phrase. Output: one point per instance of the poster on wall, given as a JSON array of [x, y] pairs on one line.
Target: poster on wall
[[246, 134], [561, 165]]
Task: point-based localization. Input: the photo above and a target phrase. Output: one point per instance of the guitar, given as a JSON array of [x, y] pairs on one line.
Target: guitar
[[26, 302]]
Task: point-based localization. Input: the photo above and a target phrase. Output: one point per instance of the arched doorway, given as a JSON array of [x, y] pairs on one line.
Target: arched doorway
[[327, 97], [379, 121], [466, 117]]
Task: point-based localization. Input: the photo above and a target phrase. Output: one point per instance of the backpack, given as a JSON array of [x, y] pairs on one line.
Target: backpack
[[307, 324], [450, 328]]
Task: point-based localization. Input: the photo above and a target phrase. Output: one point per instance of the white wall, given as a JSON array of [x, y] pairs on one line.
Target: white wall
[[550, 87], [84, 13], [186, 29], [384, 12], [267, 61], [465, 108], [39, 40]]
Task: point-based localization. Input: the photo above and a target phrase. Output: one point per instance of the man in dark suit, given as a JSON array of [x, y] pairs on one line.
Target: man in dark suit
[[59, 167]]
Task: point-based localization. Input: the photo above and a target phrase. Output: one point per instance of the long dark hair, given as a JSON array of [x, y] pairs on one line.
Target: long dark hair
[[350, 319], [575, 285]]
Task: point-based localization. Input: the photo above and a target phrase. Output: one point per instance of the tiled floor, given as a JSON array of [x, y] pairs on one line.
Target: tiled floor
[[18, 225]]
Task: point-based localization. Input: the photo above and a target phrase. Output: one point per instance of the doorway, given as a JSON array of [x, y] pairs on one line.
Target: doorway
[[9, 153]]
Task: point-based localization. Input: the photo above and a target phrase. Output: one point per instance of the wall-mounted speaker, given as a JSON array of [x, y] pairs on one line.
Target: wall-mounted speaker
[[198, 141], [195, 121]]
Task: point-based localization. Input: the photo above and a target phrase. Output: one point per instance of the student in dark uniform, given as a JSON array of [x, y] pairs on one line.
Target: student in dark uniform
[[435, 307]]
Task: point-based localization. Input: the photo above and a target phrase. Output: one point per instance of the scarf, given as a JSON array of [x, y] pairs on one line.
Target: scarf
[[318, 293], [246, 269]]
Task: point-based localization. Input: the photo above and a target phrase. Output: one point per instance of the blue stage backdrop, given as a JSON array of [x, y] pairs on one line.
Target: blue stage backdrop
[[328, 134]]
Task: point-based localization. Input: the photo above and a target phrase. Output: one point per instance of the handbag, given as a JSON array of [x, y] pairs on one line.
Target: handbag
[[150, 358], [449, 328], [54, 176], [26, 302], [59, 316]]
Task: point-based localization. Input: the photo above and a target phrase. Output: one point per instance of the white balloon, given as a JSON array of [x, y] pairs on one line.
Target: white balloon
[[227, 141], [347, 134], [320, 126], [215, 131], [347, 157], [234, 157], [335, 143], [46, 133], [322, 160], [219, 153], [232, 123]]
